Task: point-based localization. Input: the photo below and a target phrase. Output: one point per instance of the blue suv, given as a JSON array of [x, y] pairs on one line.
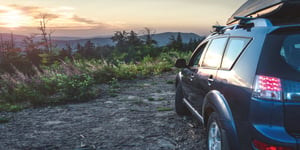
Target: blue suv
[[243, 83]]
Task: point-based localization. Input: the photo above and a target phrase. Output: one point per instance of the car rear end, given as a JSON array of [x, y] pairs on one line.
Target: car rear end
[[275, 102]]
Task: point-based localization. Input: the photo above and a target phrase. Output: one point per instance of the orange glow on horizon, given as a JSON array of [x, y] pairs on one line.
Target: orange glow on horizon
[[107, 16], [11, 18]]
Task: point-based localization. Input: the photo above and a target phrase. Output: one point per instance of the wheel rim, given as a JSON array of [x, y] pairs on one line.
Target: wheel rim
[[214, 137]]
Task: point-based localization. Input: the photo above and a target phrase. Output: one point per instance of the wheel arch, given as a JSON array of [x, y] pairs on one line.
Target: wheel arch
[[214, 101]]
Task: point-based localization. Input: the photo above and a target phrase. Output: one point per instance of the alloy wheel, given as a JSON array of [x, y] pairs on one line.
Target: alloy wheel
[[214, 137]]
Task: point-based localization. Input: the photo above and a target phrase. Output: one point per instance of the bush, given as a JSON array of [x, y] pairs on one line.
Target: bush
[[76, 87], [57, 84]]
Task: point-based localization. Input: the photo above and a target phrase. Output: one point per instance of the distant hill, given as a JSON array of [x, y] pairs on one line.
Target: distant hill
[[162, 39], [18, 39]]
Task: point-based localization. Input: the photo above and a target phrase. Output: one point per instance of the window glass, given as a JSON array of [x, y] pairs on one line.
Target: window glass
[[290, 51], [233, 50], [196, 57], [214, 53]]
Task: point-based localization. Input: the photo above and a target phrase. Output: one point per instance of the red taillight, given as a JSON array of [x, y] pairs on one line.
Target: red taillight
[[258, 145], [267, 88]]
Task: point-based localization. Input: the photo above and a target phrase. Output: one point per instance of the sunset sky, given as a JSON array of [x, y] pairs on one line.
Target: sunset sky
[[92, 18]]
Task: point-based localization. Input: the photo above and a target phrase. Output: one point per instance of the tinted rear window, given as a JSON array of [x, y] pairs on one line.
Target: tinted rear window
[[280, 56], [290, 51]]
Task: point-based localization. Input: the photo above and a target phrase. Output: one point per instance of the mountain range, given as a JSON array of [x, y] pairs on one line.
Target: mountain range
[[162, 39]]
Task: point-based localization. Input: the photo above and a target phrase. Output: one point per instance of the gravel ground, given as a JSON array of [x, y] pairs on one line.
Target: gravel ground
[[130, 115]]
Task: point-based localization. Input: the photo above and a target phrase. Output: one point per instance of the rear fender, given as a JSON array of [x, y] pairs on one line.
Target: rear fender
[[214, 101]]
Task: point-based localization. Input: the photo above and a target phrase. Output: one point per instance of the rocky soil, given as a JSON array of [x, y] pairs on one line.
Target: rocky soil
[[129, 115]]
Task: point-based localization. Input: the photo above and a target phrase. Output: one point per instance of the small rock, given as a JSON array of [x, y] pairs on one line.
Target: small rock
[[108, 102], [163, 143]]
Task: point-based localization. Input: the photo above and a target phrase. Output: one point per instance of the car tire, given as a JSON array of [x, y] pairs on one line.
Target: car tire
[[216, 136], [180, 107]]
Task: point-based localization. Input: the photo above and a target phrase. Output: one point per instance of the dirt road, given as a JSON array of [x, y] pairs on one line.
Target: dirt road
[[129, 115]]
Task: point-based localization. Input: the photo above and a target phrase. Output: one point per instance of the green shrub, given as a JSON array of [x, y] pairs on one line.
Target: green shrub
[[10, 107], [76, 87], [23, 93]]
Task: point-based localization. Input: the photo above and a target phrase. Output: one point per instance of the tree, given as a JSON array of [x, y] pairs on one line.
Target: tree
[[133, 39], [192, 44], [46, 35], [149, 40], [32, 50], [66, 53], [177, 43], [88, 50], [121, 39]]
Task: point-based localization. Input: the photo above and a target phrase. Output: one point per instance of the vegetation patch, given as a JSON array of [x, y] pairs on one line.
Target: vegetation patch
[[38, 76], [10, 107], [164, 109], [4, 120]]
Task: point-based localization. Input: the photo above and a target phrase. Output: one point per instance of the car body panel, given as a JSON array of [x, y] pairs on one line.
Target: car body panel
[[229, 92]]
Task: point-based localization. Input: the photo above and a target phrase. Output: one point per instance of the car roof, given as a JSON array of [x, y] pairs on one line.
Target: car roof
[[250, 27]]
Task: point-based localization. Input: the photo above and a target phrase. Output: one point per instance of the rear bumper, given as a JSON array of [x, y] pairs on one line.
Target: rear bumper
[[267, 124], [273, 135]]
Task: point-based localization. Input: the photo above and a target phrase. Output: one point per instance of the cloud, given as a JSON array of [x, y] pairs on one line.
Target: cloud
[[47, 16], [3, 11], [34, 11], [83, 20], [90, 22], [27, 10], [62, 19], [61, 13]]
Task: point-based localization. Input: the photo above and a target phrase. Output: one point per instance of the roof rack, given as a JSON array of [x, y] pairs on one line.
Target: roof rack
[[218, 28], [243, 20]]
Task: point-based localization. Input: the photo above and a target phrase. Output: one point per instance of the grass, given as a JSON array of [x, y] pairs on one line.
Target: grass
[[10, 107], [170, 82], [4, 120], [157, 99], [73, 81], [151, 99], [164, 109]]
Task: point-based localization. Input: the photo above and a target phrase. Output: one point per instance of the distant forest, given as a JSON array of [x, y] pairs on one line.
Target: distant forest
[[129, 47]]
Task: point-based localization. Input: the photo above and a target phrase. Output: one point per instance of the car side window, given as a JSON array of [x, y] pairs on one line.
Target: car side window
[[194, 62], [214, 53], [234, 48]]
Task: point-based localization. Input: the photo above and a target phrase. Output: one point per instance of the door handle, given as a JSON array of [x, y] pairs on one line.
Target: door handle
[[210, 80], [192, 77]]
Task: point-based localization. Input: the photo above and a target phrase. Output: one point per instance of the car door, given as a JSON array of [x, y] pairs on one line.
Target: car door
[[189, 73], [204, 79]]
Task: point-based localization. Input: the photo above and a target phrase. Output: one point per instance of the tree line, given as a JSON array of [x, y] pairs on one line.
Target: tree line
[[129, 47]]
